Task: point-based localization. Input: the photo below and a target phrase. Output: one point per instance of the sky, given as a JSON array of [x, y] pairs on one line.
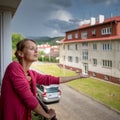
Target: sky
[[54, 17]]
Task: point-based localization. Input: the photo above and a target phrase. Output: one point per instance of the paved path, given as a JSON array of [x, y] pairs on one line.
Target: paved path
[[76, 106]]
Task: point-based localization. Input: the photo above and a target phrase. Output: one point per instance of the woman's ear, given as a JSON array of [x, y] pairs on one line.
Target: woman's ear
[[20, 53]]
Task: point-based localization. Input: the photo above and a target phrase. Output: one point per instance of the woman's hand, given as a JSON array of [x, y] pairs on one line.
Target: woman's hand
[[51, 113], [70, 78]]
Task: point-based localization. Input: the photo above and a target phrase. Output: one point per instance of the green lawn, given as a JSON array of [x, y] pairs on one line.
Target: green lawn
[[53, 69], [99, 90]]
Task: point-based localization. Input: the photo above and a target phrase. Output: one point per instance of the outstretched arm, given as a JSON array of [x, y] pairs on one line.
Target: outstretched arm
[[70, 78]]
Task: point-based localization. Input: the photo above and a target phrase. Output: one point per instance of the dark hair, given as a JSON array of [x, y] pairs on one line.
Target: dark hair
[[20, 46]]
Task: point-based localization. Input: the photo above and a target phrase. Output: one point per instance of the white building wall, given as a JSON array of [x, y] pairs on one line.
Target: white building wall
[[99, 54], [74, 53], [116, 59]]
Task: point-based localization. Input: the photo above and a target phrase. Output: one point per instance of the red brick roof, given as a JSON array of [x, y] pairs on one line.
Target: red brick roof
[[44, 46], [115, 18], [112, 38], [116, 37]]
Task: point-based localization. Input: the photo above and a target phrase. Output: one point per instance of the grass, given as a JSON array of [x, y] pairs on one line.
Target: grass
[[99, 90], [106, 93], [37, 117], [53, 69]]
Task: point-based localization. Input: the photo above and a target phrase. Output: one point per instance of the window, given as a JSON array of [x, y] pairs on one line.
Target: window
[[76, 46], [63, 46], [70, 47], [107, 46], [106, 31], [69, 36], [40, 87], [94, 32], [84, 44], [84, 35], [85, 54], [64, 58], [107, 63], [94, 46], [106, 77], [94, 61], [76, 35], [76, 59], [70, 58], [94, 74]]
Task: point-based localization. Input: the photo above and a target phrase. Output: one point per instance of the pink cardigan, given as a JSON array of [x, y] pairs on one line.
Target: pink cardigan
[[16, 95]]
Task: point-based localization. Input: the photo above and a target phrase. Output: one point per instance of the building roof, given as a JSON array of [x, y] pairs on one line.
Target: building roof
[[110, 38], [44, 46], [103, 38], [107, 20]]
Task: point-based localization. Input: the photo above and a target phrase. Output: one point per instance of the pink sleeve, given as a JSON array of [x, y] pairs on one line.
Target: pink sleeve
[[21, 86], [47, 79]]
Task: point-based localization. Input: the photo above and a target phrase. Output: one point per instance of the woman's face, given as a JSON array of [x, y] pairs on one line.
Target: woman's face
[[30, 52]]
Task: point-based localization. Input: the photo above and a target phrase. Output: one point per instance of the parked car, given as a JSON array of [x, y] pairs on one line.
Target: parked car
[[49, 93]]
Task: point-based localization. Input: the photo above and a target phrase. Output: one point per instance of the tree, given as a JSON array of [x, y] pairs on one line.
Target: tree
[[16, 37]]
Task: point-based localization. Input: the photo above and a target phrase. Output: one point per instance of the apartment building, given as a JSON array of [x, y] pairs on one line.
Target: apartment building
[[94, 48], [51, 51]]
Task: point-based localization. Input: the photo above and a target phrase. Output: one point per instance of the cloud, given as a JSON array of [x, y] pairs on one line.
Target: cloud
[[61, 15], [40, 14], [54, 17], [107, 2], [62, 3], [62, 26]]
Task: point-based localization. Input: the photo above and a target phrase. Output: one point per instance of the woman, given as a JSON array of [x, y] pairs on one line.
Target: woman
[[18, 93]]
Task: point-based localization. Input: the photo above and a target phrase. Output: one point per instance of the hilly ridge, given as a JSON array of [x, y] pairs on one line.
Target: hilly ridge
[[46, 39]]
